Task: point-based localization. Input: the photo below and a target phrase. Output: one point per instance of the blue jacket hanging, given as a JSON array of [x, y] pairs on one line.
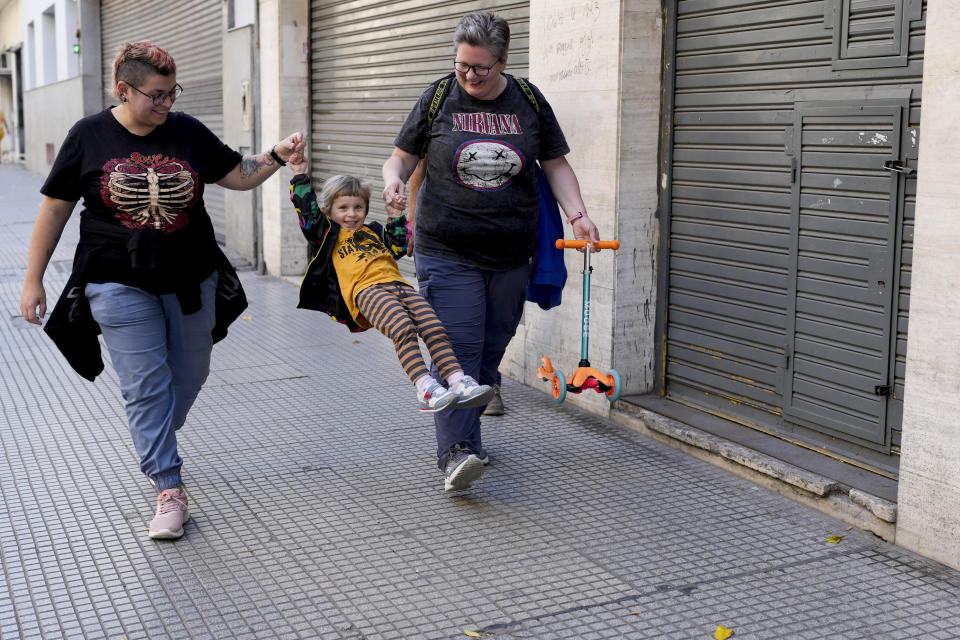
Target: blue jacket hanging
[[549, 273]]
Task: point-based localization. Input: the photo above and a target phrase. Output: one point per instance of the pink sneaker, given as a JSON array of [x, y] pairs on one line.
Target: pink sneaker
[[171, 515]]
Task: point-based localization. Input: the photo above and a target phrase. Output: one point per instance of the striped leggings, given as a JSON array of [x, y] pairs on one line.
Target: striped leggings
[[400, 313]]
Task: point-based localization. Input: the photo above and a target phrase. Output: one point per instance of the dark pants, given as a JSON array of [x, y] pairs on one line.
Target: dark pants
[[480, 310]]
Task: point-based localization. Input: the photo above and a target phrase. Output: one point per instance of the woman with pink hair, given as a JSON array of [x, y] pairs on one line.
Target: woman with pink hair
[[148, 274]]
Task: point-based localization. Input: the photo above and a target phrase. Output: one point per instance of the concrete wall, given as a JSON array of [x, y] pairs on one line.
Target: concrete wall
[[242, 228], [598, 64], [929, 490], [65, 86], [91, 68], [284, 108], [637, 225], [11, 27], [48, 113], [11, 37], [51, 57]]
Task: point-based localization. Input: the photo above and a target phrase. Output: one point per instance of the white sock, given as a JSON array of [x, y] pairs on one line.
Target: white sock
[[423, 383], [454, 378]]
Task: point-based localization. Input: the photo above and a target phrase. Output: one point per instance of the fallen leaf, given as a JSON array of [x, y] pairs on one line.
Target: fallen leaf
[[472, 634], [722, 633], [247, 318], [834, 539], [356, 342], [848, 528], [636, 613]]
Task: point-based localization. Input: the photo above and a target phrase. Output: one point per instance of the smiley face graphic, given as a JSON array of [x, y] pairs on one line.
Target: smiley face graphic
[[487, 165]]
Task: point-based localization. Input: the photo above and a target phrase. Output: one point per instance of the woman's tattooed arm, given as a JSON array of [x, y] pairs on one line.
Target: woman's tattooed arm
[[250, 172], [250, 165]]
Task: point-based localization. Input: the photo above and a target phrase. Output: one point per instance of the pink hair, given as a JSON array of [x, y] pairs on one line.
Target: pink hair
[[137, 60]]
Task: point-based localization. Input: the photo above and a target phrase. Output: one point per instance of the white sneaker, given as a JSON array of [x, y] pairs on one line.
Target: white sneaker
[[471, 394], [435, 398]]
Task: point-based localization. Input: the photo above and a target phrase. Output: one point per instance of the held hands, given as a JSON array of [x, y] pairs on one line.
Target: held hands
[[298, 163], [291, 149], [393, 198]]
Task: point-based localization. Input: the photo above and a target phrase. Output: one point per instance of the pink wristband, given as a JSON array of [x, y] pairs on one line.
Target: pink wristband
[[573, 219]]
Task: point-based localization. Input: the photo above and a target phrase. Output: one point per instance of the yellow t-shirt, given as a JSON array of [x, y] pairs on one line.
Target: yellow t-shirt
[[361, 260]]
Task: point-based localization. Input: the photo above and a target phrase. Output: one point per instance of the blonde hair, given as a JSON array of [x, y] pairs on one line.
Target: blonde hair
[[136, 61], [338, 186]]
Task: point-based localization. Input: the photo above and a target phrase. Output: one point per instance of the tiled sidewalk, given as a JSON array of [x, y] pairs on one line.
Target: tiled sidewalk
[[318, 511]]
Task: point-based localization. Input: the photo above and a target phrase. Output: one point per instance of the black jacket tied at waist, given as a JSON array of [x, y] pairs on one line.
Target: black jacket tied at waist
[[152, 264]]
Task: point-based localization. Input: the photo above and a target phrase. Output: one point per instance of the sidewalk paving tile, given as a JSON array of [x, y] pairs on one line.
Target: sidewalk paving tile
[[318, 511]]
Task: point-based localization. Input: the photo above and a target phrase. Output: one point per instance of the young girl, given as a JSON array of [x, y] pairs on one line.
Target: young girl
[[353, 277]]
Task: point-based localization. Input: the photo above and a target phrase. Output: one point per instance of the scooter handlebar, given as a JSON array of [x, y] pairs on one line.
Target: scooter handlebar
[[580, 244]]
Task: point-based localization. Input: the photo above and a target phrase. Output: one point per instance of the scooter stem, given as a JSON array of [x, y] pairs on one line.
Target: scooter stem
[[585, 320]]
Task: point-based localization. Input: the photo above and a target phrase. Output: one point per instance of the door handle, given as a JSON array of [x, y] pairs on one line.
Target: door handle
[[899, 167]]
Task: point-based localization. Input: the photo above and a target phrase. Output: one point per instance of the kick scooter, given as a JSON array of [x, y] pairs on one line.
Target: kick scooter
[[585, 376]]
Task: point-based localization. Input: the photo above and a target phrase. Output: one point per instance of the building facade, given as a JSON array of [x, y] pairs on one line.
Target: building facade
[[786, 257]]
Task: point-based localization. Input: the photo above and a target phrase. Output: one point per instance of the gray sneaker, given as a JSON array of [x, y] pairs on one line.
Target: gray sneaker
[[436, 398], [462, 470], [495, 406], [471, 394]]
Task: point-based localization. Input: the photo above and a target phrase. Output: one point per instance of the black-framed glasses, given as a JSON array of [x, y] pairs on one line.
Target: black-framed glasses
[[160, 98], [478, 69]]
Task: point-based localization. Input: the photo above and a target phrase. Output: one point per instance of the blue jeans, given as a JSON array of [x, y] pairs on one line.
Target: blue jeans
[[480, 309], [162, 358]]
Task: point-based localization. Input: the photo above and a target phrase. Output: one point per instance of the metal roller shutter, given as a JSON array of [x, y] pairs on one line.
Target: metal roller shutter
[[370, 61], [789, 240], [191, 32]]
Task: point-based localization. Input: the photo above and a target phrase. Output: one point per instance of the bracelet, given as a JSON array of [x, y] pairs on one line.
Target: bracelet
[[573, 219], [273, 154]]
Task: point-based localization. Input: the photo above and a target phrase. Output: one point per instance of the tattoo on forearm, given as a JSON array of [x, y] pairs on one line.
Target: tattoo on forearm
[[252, 164]]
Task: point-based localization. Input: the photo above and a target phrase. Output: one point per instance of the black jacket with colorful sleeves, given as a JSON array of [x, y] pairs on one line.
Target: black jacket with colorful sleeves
[[320, 289]]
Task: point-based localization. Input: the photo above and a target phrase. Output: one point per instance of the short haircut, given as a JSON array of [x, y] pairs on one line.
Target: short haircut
[[483, 29], [136, 61], [338, 186]]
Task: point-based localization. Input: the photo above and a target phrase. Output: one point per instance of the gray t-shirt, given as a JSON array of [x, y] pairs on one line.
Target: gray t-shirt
[[478, 203]]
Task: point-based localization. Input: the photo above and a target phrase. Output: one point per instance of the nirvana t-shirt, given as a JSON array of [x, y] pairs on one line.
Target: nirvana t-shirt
[[143, 221], [361, 260], [478, 202]]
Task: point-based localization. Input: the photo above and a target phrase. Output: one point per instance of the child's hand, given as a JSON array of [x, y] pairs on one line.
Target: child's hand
[[396, 204], [297, 163]]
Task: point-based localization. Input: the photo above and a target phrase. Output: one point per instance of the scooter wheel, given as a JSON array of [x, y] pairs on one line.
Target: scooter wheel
[[559, 386], [613, 379]]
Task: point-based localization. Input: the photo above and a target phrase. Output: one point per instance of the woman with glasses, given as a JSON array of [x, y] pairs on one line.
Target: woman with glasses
[[477, 209], [148, 273]]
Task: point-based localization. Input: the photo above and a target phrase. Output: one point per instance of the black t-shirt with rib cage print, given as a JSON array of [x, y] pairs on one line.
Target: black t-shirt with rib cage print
[[146, 192]]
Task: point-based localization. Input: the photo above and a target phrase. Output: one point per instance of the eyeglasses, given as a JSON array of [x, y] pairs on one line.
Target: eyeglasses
[[478, 69], [159, 99]]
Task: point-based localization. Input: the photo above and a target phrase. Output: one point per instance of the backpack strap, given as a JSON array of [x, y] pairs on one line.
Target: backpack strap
[[527, 91], [439, 95]]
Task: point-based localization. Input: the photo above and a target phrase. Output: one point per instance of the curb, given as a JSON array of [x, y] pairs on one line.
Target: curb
[[853, 506]]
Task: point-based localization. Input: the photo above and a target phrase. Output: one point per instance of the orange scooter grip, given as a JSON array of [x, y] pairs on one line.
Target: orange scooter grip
[[580, 244]]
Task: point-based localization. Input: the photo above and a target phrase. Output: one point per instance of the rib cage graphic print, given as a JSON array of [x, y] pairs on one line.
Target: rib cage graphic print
[[149, 192]]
